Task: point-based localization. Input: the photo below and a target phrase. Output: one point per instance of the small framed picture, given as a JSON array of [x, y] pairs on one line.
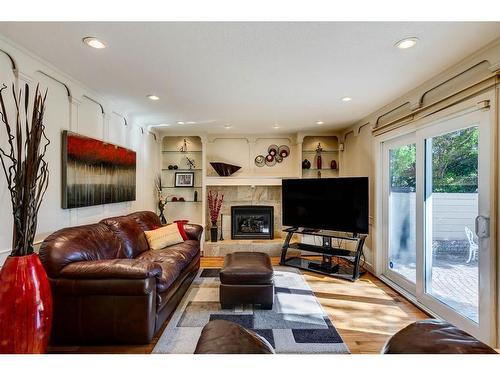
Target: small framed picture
[[184, 179]]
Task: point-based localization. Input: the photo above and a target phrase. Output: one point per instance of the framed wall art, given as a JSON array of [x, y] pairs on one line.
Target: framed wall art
[[184, 179], [95, 172]]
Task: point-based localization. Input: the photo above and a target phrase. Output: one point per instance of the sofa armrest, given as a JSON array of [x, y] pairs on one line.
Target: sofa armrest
[[112, 269], [193, 231]]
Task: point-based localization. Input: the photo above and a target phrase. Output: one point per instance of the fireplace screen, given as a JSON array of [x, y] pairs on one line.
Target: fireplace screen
[[252, 222]]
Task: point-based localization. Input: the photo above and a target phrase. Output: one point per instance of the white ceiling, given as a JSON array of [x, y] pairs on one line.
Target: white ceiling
[[251, 75]]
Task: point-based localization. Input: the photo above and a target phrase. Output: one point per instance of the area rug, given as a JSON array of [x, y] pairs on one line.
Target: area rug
[[296, 324]]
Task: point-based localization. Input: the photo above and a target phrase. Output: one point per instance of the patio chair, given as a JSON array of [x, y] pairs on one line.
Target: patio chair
[[473, 247]]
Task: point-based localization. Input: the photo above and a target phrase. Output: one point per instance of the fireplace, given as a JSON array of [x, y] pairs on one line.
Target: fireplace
[[252, 222]]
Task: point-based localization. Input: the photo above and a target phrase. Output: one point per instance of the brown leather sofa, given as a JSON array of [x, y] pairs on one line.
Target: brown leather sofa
[[108, 287]]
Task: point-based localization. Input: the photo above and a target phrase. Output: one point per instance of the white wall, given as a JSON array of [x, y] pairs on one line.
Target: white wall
[[72, 106], [357, 160]]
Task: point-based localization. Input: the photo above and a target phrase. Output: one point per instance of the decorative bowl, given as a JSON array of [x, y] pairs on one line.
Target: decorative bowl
[[224, 169]]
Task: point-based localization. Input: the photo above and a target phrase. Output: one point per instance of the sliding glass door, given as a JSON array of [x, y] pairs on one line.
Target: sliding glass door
[[436, 210], [400, 203]]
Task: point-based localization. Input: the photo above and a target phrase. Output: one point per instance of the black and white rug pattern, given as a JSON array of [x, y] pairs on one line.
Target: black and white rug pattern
[[296, 324]]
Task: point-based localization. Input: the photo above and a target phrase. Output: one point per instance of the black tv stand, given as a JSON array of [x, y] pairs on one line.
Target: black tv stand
[[351, 271]]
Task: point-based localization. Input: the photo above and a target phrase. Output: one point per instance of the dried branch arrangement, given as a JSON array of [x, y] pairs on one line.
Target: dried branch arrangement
[[158, 186], [214, 205], [24, 165]]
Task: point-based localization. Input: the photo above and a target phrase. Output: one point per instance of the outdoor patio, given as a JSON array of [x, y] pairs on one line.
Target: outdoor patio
[[454, 282]]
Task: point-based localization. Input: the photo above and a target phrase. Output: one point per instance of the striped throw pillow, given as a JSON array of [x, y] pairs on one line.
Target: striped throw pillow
[[167, 235]]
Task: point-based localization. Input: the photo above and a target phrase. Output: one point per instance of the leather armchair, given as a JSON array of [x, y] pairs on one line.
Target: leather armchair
[[108, 287], [434, 336]]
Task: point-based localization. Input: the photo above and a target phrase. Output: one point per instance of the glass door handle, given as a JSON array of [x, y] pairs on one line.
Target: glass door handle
[[482, 226]]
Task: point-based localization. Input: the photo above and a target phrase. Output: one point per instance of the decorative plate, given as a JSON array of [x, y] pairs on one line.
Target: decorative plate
[[273, 150], [278, 158], [260, 160], [270, 160], [284, 151]]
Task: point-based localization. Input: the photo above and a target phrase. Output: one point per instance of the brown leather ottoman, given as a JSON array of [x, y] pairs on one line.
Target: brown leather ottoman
[[432, 336], [223, 337], [247, 278]]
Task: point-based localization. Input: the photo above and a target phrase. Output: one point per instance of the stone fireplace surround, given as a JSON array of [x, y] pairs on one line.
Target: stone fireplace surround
[[245, 196]]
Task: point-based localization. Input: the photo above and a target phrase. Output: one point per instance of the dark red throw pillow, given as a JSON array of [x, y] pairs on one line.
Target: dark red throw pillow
[[182, 230]]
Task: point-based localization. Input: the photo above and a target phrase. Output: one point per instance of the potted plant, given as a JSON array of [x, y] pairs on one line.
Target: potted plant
[[25, 297], [214, 206]]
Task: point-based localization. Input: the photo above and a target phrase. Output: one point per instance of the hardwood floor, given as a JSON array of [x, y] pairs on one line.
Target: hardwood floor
[[366, 313]]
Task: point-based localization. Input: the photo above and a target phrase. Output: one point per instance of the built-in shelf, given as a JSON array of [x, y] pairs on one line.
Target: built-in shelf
[[182, 169], [322, 169], [188, 209], [243, 181], [185, 201], [329, 152]]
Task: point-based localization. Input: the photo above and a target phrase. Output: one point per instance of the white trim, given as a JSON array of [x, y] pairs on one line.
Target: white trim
[[243, 181], [422, 129], [388, 145]]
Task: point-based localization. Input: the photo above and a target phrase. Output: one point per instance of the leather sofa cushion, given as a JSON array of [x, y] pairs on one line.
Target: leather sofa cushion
[[224, 337], [172, 261], [130, 232], [76, 244], [433, 336], [246, 268]]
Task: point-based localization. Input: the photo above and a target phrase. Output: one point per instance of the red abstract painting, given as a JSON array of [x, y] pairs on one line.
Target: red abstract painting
[[95, 172]]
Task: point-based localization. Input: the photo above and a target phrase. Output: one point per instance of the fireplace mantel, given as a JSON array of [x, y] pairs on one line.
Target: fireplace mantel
[[243, 181]]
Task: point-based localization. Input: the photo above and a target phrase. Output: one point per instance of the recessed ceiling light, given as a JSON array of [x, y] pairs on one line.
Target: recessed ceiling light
[[319, 122], [276, 126], [162, 125], [227, 126], [406, 43], [93, 42], [191, 122], [180, 122], [346, 99], [153, 97]]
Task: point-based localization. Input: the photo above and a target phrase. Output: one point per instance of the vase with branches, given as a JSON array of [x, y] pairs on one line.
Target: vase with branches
[[162, 201], [25, 298], [214, 206]]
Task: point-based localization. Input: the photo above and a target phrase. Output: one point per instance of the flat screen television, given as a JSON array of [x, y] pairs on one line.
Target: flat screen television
[[339, 204]]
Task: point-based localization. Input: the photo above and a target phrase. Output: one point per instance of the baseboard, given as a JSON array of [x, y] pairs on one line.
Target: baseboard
[[369, 267]]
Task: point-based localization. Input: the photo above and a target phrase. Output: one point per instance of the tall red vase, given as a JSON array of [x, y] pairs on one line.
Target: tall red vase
[[25, 306], [319, 161]]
